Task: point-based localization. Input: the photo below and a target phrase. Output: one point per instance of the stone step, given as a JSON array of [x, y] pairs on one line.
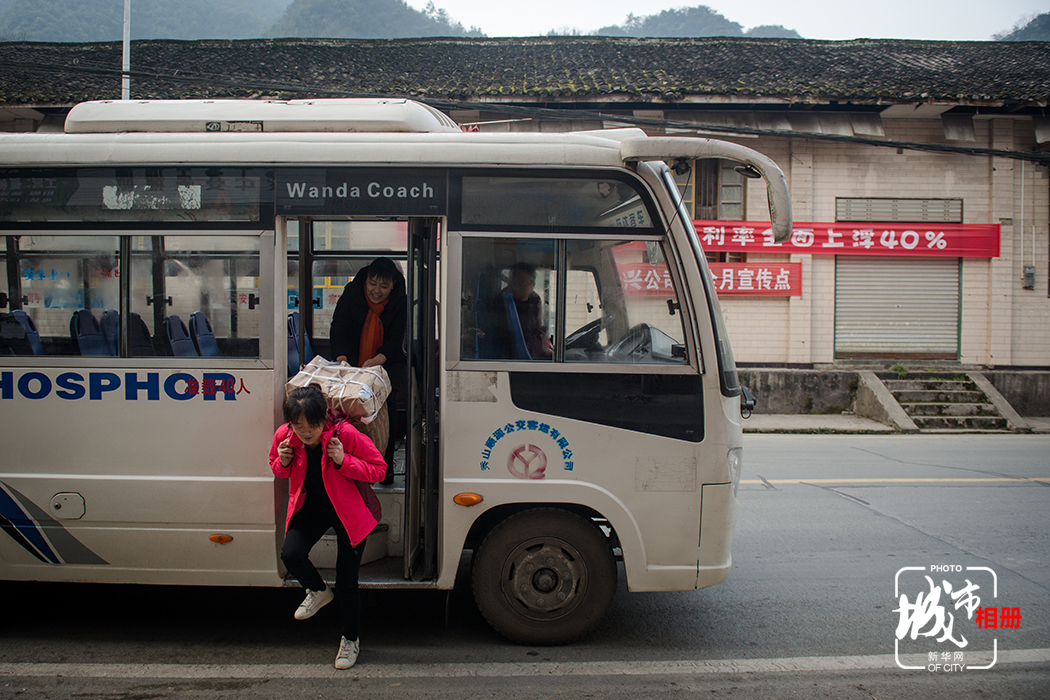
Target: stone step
[[938, 396], [949, 409], [929, 385], [960, 422]]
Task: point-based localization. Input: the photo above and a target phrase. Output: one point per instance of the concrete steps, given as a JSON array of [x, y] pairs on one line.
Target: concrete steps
[[938, 404]]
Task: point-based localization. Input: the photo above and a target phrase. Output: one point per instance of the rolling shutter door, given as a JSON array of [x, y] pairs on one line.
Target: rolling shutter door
[[896, 307]]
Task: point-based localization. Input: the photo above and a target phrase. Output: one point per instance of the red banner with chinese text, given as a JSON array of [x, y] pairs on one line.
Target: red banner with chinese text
[[751, 279], [757, 279], [854, 238]]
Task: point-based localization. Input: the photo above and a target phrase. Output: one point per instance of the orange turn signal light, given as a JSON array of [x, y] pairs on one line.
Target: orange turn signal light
[[220, 539], [468, 499]]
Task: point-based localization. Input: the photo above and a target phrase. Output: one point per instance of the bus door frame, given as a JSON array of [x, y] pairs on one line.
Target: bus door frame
[[422, 472], [422, 475]]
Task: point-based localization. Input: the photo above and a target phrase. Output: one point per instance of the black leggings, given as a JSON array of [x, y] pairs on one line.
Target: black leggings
[[307, 527]]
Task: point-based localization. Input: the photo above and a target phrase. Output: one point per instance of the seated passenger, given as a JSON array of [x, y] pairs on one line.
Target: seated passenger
[[520, 333]]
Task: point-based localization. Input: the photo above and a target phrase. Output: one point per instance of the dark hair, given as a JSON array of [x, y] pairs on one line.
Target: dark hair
[[383, 269], [528, 268], [305, 402]]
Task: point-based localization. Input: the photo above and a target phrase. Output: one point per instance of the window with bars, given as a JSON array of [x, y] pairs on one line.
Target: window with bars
[[948, 211], [712, 190]]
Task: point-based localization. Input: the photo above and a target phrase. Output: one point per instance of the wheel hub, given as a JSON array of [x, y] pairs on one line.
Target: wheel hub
[[544, 579]]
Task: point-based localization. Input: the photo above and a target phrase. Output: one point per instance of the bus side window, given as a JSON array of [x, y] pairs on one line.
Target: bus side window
[[210, 283], [621, 304], [508, 310], [59, 277]]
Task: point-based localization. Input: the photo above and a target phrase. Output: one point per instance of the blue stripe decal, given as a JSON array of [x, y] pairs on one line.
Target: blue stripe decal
[[13, 513], [70, 550], [14, 534]]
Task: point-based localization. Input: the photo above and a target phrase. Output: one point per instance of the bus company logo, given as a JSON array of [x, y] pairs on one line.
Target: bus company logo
[[524, 458], [936, 607], [527, 462]]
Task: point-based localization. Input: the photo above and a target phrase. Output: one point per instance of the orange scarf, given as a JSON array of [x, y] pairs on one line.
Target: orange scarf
[[371, 332]]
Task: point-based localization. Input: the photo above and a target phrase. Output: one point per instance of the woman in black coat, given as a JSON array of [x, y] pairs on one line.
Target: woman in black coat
[[368, 329]]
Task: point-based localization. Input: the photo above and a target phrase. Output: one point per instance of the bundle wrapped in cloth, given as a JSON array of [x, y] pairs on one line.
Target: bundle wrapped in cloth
[[356, 392]]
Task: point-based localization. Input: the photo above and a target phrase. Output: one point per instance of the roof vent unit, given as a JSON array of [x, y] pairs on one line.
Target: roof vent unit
[[187, 116]]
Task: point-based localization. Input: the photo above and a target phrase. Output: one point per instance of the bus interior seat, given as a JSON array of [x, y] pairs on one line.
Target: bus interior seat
[[518, 349], [203, 336], [111, 330], [293, 345], [178, 338], [32, 335], [141, 340], [13, 340], [86, 332]]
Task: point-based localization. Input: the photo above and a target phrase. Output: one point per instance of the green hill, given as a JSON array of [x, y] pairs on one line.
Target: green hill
[[1035, 29], [365, 19], [103, 20], [690, 22]]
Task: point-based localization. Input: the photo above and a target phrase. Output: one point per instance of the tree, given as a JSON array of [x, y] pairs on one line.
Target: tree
[[690, 22], [366, 19], [1028, 28], [772, 31]]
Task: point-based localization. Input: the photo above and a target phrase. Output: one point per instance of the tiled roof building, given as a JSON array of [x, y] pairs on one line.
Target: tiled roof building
[[553, 69], [893, 150]]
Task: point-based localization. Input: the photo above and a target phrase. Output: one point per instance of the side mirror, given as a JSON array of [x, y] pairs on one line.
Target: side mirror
[[747, 402]]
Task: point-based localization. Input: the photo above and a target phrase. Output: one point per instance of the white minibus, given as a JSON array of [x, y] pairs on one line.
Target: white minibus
[[168, 265]]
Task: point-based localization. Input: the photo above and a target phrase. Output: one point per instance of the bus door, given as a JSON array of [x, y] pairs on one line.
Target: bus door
[[421, 488], [324, 256]]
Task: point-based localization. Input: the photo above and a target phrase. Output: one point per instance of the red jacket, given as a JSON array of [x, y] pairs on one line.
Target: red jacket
[[361, 461]]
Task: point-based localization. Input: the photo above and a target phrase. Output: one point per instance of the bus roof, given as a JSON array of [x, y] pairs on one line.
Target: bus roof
[[582, 149], [327, 115]]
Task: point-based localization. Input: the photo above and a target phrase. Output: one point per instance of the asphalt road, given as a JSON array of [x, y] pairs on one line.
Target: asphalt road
[[809, 610]]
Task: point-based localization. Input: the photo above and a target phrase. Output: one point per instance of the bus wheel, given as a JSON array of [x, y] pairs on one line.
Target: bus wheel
[[544, 576]]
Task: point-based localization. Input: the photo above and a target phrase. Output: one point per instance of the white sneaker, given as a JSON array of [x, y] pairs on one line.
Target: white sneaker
[[314, 601], [348, 652]]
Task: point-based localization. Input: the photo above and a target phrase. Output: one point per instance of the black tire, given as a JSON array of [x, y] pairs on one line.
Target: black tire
[[544, 576]]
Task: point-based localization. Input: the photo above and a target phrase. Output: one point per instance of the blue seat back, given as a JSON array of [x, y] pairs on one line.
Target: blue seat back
[[31, 333], [485, 320], [519, 351], [85, 330], [141, 341], [13, 340], [203, 336], [111, 331], [178, 338]]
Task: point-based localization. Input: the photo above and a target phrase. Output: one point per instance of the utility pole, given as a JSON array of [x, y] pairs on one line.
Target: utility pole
[[125, 83]]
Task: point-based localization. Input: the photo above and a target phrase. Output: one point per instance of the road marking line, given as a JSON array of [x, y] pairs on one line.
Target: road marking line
[[488, 670], [916, 480]]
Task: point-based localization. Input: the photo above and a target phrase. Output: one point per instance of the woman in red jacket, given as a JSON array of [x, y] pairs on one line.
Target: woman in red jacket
[[322, 459]]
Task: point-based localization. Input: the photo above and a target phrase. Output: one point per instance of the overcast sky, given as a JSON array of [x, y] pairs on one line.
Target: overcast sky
[[813, 19]]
